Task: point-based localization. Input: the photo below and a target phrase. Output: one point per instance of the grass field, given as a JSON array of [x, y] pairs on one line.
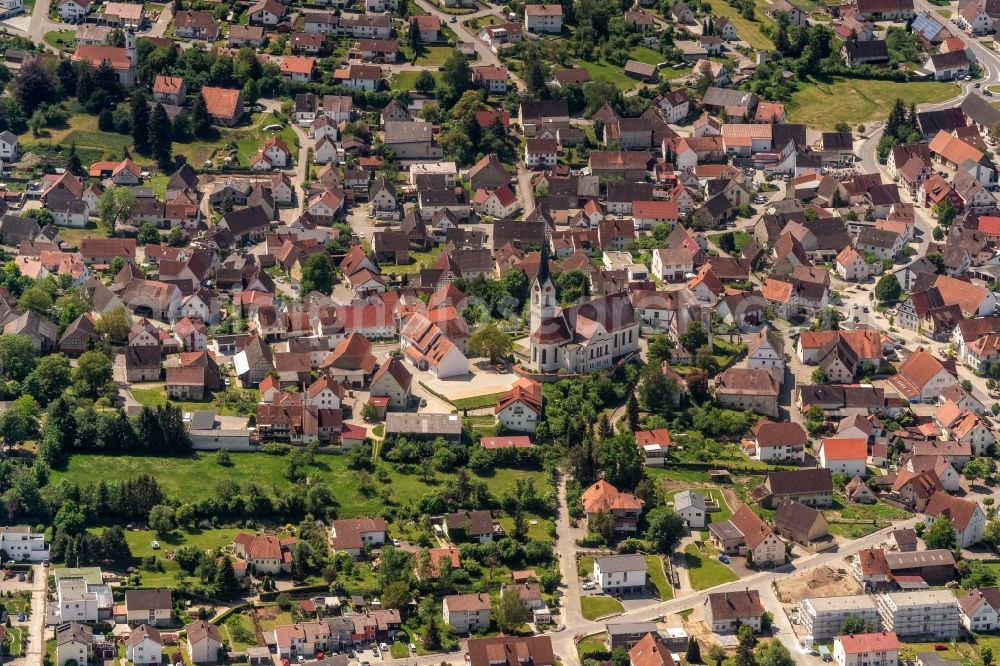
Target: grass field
[[878, 511], [594, 643], [406, 80], [153, 395], [93, 230], [433, 55], [598, 605], [477, 402], [646, 55], [585, 565], [740, 239], [658, 577], [704, 570], [852, 531], [399, 651], [749, 31], [608, 72], [821, 104], [16, 645], [233, 625], [418, 260], [140, 543], [190, 478], [62, 40]]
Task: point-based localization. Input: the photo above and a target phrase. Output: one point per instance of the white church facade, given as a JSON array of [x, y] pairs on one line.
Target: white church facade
[[585, 337]]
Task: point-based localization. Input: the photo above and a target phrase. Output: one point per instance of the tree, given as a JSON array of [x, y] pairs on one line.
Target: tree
[[854, 624], [456, 73], [632, 412], [622, 460], [490, 341], [665, 528], [510, 612], [986, 654], [369, 412], [161, 136], [73, 164], [115, 324], [693, 655], [36, 298], [140, 122], [694, 338], [33, 86], [716, 655], [161, 519], [819, 376], [116, 206], [201, 121], [17, 356], [317, 275], [774, 653], [93, 377], [432, 633], [226, 584], [19, 421], [945, 212], [425, 82], [940, 534], [147, 234], [396, 595], [979, 468], [49, 378], [747, 643], [887, 290]]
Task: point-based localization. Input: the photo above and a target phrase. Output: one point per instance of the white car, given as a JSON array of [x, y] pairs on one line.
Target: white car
[[590, 585], [383, 647], [300, 659], [395, 542], [155, 545]]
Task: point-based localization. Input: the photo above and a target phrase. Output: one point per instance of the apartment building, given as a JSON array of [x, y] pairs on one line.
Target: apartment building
[[927, 614], [822, 617]]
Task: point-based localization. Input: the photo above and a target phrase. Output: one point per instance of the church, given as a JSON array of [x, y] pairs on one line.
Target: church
[[582, 338], [122, 60]]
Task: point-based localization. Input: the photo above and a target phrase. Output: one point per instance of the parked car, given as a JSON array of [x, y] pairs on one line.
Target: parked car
[[589, 585], [723, 558], [383, 647]]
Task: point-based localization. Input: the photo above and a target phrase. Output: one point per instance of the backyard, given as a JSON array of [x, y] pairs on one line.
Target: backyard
[[658, 577], [225, 403], [141, 544], [749, 31]]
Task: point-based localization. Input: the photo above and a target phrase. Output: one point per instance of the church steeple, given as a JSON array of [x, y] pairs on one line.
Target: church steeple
[[543, 293]]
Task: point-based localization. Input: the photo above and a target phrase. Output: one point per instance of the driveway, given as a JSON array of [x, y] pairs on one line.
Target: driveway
[[36, 622]]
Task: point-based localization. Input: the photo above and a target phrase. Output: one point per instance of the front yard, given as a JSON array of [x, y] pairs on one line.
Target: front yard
[[704, 569], [599, 605]]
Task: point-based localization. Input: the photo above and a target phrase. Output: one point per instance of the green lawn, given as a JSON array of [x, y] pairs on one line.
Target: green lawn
[[740, 239], [749, 31], [852, 531], [235, 625], [61, 40], [153, 395], [399, 651], [646, 55], [407, 80], [418, 260], [16, 646], [822, 105], [608, 72], [477, 402], [879, 511], [685, 475], [434, 55], [190, 478], [94, 229], [599, 605], [594, 643], [658, 577], [140, 543], [585, 565], [705, 570]]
